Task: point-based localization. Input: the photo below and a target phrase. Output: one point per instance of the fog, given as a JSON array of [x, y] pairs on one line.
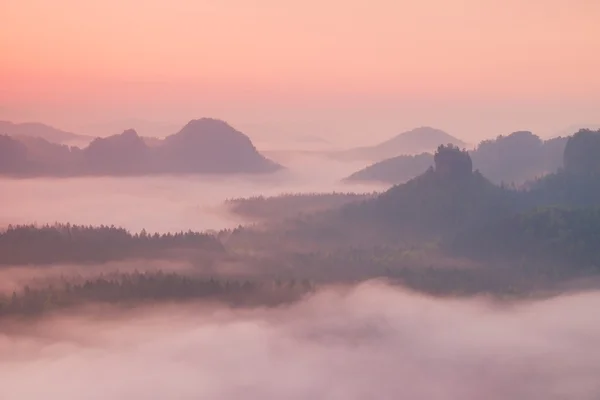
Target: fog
[[160, 203], [372, 341]]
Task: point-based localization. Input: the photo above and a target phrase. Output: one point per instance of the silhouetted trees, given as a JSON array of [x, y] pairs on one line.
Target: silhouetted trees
[[30, 244], [553, 235], [143, 288], [290, 205]]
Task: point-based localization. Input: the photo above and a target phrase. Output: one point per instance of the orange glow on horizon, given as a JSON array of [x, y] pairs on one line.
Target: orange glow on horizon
[[71, 52]]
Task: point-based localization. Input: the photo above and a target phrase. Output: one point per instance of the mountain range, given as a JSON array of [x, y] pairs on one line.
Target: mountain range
[[514, 158], [202, 146]]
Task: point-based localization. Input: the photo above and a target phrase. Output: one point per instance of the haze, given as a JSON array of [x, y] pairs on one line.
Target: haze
[[371, 341], [476, 68], [164, 203], [328, 200]]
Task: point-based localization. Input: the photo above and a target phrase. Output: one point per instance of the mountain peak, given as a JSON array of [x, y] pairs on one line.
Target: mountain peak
[[416, 141], [130, 133], [207, 124], [422, 138]]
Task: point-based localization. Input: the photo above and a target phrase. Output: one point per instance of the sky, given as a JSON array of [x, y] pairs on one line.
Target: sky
[[347, 70]]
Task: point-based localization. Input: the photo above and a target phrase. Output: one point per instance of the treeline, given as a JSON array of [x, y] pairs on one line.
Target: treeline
[[143, 288], [137, 289], [47, 244], [499, 280], [555, 234], [289, 205], [564, 188]]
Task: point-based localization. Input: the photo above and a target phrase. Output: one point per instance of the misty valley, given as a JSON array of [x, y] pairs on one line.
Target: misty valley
[[195, 267], [299, 200]]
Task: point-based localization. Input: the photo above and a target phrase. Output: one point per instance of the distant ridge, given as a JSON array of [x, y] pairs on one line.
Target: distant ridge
[[515, 158], [205, 145], [415, 141], [39, 130]]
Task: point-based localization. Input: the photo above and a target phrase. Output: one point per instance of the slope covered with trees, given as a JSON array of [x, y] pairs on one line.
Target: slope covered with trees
[[448, 197], [456, 211], [554, 235], [578, 183]]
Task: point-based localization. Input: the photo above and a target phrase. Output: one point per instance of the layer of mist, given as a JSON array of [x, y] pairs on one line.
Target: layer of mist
[[371, 341], [162, 203]]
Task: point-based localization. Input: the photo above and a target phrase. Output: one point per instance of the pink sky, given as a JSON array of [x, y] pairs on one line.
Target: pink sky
[[342, 68]]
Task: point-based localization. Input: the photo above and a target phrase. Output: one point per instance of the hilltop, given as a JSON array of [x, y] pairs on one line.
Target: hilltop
[[202, 146], [415, 141]]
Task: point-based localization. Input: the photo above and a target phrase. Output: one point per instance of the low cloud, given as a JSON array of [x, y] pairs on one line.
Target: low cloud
[[368, 342], [155, 203]]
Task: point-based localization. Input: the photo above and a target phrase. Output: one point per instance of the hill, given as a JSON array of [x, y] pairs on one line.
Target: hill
[[211, 146], [394, 170], [415, 141], [448, 197], [125, 153], [453, 228], [554, 235], [38, 130], [552, 224], [202, 146], [515, 158], [577, 184]]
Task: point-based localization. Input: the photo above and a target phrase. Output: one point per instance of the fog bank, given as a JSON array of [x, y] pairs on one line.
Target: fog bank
[[158, 203], [370, 342]]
